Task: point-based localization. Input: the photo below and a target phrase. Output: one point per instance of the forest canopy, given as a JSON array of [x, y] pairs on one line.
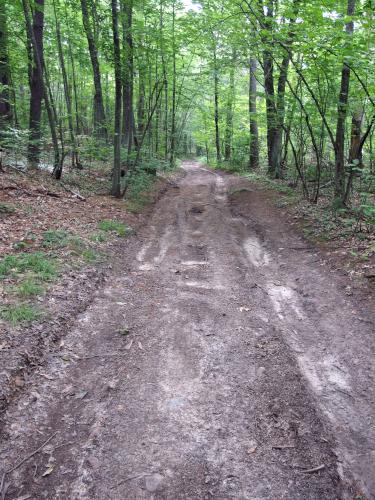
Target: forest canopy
[[285, 87]]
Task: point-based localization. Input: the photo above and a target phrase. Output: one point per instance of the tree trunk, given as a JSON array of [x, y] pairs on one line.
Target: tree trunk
[[116, 175], [128, 70], [173, 119], [68, 101], [5, 80], [36, 85], [355, 152], [276, 151], [229, 116], [99, 114], [216, 100], [342, 111], [254, 139], [57, 167]]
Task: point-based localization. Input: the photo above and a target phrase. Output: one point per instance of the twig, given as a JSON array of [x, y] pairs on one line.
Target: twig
[[31, 454], [130, 478], [21, 462], [94, 356], [77, 195], [311, 471]]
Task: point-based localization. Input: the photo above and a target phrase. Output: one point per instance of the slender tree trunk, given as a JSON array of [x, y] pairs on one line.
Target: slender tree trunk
[[355, 152], [174, 77], [229, 115], [216, 104], [141, 102], [342, 111], [116, 175], [99, 114], [68, 101], [5, 80], [36, 84], [254, 136], [128, 70]]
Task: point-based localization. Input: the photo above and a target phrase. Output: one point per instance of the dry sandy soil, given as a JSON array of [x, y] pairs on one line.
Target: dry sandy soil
[[221, 360]]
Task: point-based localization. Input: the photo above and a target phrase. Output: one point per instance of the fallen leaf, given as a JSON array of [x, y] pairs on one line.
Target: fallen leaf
[[129, 345], [80, 394], [48, 471]]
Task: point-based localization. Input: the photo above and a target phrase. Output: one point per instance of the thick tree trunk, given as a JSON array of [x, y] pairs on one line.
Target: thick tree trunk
[[99, 114], [5, 80], [342, 111], [254, 139], [116, 175], [128, 73], [277, 146], [57, 167], [36, 85]]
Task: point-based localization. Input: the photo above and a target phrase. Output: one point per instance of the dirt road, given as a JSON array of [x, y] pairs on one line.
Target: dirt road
[[221, 361]]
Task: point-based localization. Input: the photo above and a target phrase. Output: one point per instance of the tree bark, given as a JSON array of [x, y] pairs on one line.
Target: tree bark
[[36, 85], [216, 104], [99, 114], [174, 77], [342, 111], [116, 175], [229, 115], [128, 73], [57, 167], [68, 101], [254, 136], [5, 79]]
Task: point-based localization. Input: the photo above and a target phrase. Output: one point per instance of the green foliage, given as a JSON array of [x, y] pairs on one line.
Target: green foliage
[[114, 226], [98, 237], [6, 209], [55, 238], [28, 288], [38, 263], [20, 313]]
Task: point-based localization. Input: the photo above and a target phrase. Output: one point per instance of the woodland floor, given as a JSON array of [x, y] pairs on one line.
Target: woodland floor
[[221, 358]]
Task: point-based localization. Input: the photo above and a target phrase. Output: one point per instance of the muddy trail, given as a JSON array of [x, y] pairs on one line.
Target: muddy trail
[[222, 360]]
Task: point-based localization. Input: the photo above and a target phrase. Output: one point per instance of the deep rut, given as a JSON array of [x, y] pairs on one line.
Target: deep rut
[[178, 382]]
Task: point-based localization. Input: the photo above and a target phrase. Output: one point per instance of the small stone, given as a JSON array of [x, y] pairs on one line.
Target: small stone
[[154, 482], [19, 382]]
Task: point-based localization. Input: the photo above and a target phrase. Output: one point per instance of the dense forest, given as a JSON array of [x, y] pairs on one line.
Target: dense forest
[[283, 86]]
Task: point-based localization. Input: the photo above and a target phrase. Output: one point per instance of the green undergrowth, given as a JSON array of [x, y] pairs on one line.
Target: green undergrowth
[[20, 313], [141, 181], [26, 276], [6, 209], [113, 226]]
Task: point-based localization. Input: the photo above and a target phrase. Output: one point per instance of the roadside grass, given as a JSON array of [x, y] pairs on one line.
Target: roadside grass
[[55, 238], [98, 237], [37, 263], [30, 287], [20, 313], [113, 226]]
